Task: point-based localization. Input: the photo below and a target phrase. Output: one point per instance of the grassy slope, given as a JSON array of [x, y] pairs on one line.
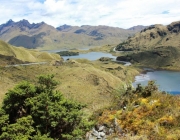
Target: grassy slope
[[91, 83], [25, 54], [157, 46]]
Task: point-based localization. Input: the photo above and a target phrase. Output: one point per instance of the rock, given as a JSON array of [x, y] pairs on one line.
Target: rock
[[101, 128], [99, 137], [95, 133], [102, 134]]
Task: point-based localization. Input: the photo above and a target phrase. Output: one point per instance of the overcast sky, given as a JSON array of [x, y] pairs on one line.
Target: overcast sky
[[117, 13]]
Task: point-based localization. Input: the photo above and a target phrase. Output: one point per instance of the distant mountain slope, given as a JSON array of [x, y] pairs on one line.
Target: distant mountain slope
[[97, 31], [157, 46], [44, 36], [20, 54], [137, 28], [153, 37]]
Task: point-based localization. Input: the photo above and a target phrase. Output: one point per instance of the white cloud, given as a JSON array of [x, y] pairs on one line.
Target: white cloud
[[118, 13]]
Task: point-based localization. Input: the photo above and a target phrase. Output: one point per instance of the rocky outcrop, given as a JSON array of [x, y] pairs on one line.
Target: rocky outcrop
[[102, 132], [174, 27]]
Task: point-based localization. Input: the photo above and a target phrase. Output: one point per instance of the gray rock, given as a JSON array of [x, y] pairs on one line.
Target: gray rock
[[95, 133], [99, 137], [101, 128], [102, 134]]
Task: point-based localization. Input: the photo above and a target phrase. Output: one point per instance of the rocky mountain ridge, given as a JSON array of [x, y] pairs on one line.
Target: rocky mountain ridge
[[44, 36]]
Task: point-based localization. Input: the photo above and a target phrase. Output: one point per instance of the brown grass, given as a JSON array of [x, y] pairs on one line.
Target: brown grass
[[25, 54], [90, 83]]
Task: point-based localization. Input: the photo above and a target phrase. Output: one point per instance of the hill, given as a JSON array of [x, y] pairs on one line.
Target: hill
[[14, 55], [91, 83], [44, 36], [156, 45]]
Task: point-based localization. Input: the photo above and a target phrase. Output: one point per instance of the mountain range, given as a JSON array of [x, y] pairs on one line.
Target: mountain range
[[44, 36]]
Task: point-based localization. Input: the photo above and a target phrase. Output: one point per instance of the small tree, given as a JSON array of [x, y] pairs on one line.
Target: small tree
[[45, 111]]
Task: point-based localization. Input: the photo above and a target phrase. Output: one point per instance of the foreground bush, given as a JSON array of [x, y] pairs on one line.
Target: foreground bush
[[145, 112], [38, 112]]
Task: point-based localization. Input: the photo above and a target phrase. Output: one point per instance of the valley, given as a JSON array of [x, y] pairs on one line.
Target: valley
[[75, 77], [100, 78]]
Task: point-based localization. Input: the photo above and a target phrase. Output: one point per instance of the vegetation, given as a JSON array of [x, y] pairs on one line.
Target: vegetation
[[122, 47], [67, 53], [75, 77], [26, 55], [162, 57], [145, 112], [156, 46], [36, 111]]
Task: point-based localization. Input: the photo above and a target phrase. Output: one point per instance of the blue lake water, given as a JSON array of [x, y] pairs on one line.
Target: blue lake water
[[90, 56], [168, 81]]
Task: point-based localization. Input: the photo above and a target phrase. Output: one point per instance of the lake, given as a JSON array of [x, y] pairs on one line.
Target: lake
[[168, 81], [90, 56]]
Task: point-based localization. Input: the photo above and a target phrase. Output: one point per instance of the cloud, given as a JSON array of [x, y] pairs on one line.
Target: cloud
[[117, 13]]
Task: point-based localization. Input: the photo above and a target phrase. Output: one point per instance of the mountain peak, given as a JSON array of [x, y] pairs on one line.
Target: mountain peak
[[9, 22], [63, 27], [24, 22]]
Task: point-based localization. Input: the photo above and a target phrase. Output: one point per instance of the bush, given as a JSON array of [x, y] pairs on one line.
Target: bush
[[30, 111]]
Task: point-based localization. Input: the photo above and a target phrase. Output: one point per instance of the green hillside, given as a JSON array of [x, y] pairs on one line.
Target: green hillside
[[25, 55], [155, 46]]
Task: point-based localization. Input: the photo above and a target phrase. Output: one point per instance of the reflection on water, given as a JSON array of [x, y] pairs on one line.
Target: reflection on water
[[166, 80]]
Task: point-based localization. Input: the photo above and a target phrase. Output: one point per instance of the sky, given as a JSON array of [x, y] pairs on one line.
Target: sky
[[116, 13]]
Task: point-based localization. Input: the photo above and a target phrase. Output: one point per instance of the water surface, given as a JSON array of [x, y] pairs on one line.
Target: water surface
[[168, 81], [90, 56]]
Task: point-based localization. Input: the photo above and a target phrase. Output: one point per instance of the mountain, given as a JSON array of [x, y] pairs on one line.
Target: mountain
[[16, 55], [156, 45], [44, 36], [137, 28], [99, 32]]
